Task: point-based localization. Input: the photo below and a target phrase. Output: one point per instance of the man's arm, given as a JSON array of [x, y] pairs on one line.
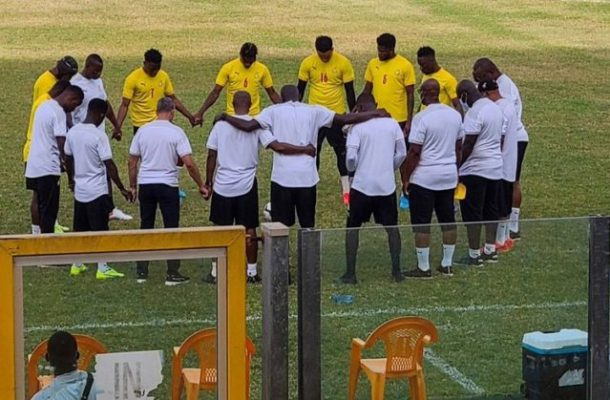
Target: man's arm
[[410, 105], [291, 150], [467, 147], [458, 152], [241, 124], [273, 96], [301, 86], [132, 167], [193, 170], [113, 173], [61, 142], [116, 130], [350, 95], [210, 168], [70, 171], [458, 106], [368, 87], [407, 168], [180, 107], [356, 118], [122, 112], [351, 158], [209, 101]]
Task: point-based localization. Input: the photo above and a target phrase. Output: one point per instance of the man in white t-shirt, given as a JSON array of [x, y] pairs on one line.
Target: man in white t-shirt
[[481, 171], [89, 163], [233, 156], [46, 158], [90, 81], [483, 70], [375, 149], [294, 178], [158, 148], [430, 176], [509, 160]]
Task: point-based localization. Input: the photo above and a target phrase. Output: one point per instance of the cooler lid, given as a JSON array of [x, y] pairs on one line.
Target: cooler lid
[[555, 340]]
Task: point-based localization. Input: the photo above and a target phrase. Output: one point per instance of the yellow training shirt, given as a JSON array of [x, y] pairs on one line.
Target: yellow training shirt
[[43, 84], [145, 91], [327, 80], [236, 77], [389, 79], [448, 85], [28, 134]]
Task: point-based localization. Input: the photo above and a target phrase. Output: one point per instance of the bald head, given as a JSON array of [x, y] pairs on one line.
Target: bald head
[[289, 93], [242, 102], [485, 70], [467, 91], [365, 102], [430, 90]]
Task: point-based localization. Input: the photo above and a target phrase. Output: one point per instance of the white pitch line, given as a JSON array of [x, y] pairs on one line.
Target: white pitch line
[[343, 314], [453, 373]]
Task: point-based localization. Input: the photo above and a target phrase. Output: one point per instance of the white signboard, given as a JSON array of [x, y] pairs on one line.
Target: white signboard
[[128, 376]]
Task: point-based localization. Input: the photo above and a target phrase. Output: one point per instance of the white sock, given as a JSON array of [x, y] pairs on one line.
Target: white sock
[[35, 229], [251, 269], [448, 250], [489, 248], [474, 253], [514, 219], [423, 258], [213, 271], [501, 233], [345, 184], [507, 231], [103, 267]]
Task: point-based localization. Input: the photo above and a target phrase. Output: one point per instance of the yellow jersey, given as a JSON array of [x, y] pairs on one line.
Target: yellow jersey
[[389, 79], [448, 85], [237, 77], [43, 85], [145, 91], [327, 79], [28, 134]]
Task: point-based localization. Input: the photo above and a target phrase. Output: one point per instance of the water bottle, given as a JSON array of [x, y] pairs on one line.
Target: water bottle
[[181, 195], [342, 298], [404, 202]]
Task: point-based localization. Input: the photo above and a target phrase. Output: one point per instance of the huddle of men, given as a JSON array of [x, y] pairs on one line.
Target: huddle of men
[[461, 133]]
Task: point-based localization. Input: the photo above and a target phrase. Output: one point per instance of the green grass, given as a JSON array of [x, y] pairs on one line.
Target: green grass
[[558, 55]]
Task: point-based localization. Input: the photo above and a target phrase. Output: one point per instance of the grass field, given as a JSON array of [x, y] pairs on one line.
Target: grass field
[[557, 52]]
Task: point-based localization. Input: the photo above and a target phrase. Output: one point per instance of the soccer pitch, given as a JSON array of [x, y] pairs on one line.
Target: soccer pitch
[[558, 54]]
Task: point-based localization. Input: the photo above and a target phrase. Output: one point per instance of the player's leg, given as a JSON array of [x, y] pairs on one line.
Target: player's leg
[[491, 212], [443, 207], [282, 204], [337, 140], [169, 204], [246, 214], [515, 233], [321, 135], [421, 206], [305, 204], [34, 214], [98, 212], [472, 212], [220, 214], [359, 212], [147, 198], [503, 241], [386, 214], [47, 190], [80, 223]]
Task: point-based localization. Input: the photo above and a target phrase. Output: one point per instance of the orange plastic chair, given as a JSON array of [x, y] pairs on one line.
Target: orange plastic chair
[[203, 343], [88, 347], [404, 339]]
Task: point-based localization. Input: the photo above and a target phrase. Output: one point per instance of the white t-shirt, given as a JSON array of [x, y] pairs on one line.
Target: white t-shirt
[[49, 123], [237, 157], [297, 124], [159, 144], [89, 147], [92, 89], [437, 128], [509, 145], [486, 121], [509, 90], [377, 147]]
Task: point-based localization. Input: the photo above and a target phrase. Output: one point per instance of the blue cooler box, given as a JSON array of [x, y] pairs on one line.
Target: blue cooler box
[[554, 365]]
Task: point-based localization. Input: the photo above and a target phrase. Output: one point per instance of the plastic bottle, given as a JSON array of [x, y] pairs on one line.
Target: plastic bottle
[[404, 202], [342, 298]]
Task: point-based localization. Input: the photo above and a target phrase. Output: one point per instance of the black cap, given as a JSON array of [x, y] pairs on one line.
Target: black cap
[[488, 86]]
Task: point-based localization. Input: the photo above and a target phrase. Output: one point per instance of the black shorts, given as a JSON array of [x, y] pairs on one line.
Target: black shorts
[[46, 189], [481, 202], [334, 135], [521, 147], [93, 215], [285, 200], [505, 198], [361, 206], [238, 210], [422, 202]]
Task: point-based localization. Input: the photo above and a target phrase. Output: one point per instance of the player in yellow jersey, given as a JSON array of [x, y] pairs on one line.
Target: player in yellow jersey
[[328, 73], [143, 89], [64, 69], [243, 73], [426, 58], [391, 80]]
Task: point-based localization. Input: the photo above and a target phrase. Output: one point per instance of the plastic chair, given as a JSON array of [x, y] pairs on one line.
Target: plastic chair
[[88, 347], [203, 343], [404, 339]]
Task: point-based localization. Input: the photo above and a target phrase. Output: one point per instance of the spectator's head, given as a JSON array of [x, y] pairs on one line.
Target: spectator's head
[[289, 93], [62, 352], [365, 102], [242, 102], [70, 98], [324, 48], [467, 92], [247, 54], [489, 89], [93, 66], [426, 58], [429, 91], [485, 70], [166, 109], [386, 46], [96, 111], [66, 68], [152, 62]]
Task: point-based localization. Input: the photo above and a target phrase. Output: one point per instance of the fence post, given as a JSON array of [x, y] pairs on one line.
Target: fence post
[[599, 308], [275, 311], [309, 315]]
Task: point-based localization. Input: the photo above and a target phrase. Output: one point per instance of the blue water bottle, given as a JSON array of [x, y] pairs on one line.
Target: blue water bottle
[[404, 202]]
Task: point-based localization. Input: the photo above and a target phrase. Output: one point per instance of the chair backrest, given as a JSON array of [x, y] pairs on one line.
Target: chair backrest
[[404, 339], [88, 347]]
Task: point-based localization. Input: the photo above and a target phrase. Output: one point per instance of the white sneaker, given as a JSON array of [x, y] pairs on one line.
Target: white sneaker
[[120, 215]]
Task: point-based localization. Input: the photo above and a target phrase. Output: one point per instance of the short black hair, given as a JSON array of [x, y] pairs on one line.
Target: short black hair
[[62, 349], [248, 50], [98, 105], [67, 66], [324, 43], [76, 90], [426, 51], [59, 87], [487, 86], [153, 55], [485, 64], [386, 40], [94, 58]]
